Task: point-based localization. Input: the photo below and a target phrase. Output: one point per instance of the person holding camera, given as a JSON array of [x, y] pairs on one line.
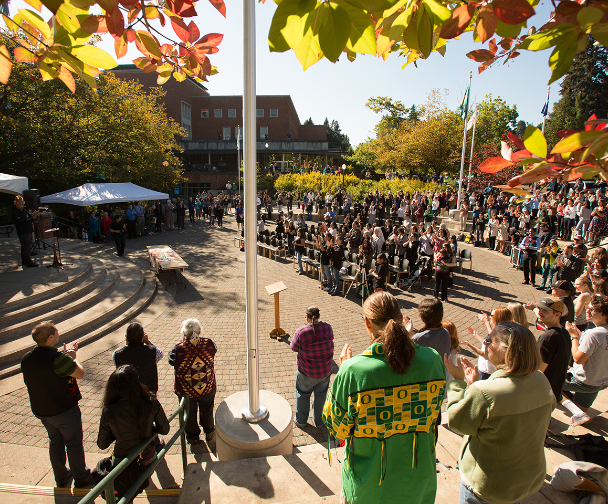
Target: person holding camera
[[379, 274]]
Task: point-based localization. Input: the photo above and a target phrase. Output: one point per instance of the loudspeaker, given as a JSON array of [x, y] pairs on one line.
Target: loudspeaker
[[32, 199]]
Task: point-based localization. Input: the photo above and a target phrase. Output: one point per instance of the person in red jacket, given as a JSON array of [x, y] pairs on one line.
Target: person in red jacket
[[106, 221]]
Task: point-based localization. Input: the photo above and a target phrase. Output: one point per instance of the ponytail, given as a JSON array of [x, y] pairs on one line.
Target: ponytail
[[399, 349]]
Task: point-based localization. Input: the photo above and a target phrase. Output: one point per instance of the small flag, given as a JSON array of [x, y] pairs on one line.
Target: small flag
[[464, 104], [471, 122], [238, 137], [545, 110]]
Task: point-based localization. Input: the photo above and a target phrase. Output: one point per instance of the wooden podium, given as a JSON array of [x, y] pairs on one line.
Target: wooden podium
[[275, 288]]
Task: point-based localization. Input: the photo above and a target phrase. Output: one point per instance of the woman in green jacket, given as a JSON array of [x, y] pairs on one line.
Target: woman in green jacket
[[385, 403], [503, 419]]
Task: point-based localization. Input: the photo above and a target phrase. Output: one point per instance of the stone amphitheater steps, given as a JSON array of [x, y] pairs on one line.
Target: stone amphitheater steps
[[113, 291]]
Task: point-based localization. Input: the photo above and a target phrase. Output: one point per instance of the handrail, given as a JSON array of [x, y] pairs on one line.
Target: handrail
[[107, 484]]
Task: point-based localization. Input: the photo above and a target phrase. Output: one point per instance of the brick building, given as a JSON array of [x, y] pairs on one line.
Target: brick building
[[211, 122]]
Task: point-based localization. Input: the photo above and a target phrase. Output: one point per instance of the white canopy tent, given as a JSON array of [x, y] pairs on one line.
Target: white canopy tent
[[99, 194], [12, 184]]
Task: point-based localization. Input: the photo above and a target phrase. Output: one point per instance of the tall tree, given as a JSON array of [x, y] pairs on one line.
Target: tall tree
[[584, 92], [335, 137], [393, 112], [495, 118], [308, 122]]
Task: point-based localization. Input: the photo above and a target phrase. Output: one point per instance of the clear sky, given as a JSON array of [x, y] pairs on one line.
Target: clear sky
[[339, 91]]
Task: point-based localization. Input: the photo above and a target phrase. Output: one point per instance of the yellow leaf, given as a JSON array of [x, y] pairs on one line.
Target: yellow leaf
[[36, 4], [5, 65], [150, 43], [36, 21], [179, 76], [308, 51], [10, 24], [93, 56], [163, 77], [22, 55]]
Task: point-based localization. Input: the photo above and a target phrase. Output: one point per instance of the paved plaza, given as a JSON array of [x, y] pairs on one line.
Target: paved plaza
[[215, 294]]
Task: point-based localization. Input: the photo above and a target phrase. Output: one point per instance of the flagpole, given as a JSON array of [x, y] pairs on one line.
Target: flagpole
[[546, 110], [238, 156], [472, 146], [464, 142]]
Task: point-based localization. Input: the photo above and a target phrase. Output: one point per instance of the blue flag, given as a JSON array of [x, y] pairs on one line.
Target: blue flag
[[545, 110], [464, 104]]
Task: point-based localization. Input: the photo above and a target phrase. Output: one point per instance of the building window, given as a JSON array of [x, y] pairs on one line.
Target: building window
[[227, 133], [217, 113], [274, 112], [263, 132], [231, 112], [205, 114], [187, 120], [259, 112]]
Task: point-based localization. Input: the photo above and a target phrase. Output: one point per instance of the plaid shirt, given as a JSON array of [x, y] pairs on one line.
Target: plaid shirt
[[315, 347]]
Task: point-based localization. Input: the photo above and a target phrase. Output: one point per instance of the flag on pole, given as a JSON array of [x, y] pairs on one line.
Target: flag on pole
[[464, 104], [545, 110], [238, 137], [471, 122]]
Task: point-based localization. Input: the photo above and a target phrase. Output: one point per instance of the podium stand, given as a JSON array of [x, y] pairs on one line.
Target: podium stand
[[56, 258], [275, 288]]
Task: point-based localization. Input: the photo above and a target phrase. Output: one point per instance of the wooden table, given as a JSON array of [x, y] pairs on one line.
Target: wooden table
[[164, 258], [275, 288]]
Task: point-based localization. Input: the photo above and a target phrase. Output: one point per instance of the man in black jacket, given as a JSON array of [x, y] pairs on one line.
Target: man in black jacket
[[567, 265], [24, 225], [141, 354], [50, 377]]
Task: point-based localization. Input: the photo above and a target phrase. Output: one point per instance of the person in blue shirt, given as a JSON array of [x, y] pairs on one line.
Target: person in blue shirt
[[131, 226], [94, 227], [140, 220], [191, 208], [530, 245]]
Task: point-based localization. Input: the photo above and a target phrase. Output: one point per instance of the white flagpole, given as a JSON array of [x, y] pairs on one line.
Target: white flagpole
[[472, 146], [238, 156], [464, 144], [253, 411]]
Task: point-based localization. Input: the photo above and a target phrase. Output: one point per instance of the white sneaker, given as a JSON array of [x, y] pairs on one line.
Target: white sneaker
[[326, 288], [579, 419]]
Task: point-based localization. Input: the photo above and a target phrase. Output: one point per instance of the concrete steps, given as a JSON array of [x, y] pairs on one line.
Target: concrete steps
[[97, 293]]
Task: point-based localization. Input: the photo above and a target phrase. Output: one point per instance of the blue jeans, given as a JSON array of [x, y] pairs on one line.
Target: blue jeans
[[65, 434], [299, 258], [305, 386], [335, 275], [548, 275], [326, 273], [580, 393], [466, 496]]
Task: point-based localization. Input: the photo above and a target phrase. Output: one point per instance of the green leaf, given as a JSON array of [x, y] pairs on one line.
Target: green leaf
[[576, 141], [507, 30], [535, 142], [425, 32], [439, 12], [561, 58], [93, 56], [67, 17], [400, 23], [548, 38], [288, 24], [372, 5], [36, 21], [600, 33], [308, 51], [588, 16], [334, 30], [150, 43], [362, 38]]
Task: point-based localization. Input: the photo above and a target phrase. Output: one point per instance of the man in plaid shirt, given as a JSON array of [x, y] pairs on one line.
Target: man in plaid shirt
[[314, 343]]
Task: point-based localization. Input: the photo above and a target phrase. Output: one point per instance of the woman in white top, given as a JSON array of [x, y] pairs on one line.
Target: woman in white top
[[503, 234], [584, 214], [377, 241], [524, 219], [485, 367], [493, 224], [569, 219], [585, 287]]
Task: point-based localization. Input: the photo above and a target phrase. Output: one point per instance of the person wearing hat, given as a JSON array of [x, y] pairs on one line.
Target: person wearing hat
[[24, 224], [554, 343], [562, 289]]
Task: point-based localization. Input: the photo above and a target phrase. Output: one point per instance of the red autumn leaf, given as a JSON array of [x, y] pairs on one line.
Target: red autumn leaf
[[22, 55], [506, 43], [200, 56], [128, 3], [514, 55], [141, 62], [181, 8], [220, 6], [486, 24], [518, 142], [589, 127], [485, 65], [183, 51], [130, 35], [108, 5], [492, 46], [180, 29], [115, 23], [480, 55], [133, 13], [209, 40], [150, 68], [94, 24], [494, 164], [513, 11], [458, 23], [166, 49], [567, 8], [210, 50], [194, 32], [516, 157], [161, 18]]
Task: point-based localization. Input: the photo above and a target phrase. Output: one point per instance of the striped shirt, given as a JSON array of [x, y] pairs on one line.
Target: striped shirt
[[315, 346]]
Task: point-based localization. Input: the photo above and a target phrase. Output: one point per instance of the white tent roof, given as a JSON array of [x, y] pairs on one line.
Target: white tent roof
[[99, 194], [13, 184]]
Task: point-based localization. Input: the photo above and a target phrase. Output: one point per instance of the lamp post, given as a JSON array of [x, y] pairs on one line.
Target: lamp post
[[266, 157], [343, 170]]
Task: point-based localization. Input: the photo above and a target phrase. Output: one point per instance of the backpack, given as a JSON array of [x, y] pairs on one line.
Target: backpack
[[460, 237], [469, 238], [477, 243]]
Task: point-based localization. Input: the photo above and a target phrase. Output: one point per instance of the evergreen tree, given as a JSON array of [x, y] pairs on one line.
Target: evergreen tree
[[584, 92], [308, 122], [335, 137]]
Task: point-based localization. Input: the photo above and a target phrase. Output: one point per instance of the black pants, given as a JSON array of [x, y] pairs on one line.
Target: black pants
[[121, 242], [441, 282], [131, 229], [180, 221], [219, 220], [191, 215], [492, 240], [26, 245], [204, 405], [529, 263]]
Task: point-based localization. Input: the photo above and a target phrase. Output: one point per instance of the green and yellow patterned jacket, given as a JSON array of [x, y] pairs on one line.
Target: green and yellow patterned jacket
[[387, 420]]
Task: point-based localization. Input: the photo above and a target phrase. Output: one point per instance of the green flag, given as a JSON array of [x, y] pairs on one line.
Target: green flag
[[464, 105]]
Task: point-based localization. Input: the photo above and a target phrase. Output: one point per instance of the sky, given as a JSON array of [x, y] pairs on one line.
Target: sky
[[339, 91]]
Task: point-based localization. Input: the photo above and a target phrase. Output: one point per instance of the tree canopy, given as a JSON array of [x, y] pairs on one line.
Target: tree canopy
[[60, 139], [335, 137]]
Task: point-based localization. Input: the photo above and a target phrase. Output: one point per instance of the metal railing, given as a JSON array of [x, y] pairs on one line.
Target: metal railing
[[107, 484]]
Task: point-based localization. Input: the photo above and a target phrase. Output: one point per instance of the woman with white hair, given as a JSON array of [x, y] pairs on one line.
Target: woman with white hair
[[377, 241], [193, 360]]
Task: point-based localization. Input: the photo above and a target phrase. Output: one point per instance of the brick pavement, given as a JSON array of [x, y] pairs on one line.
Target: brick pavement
[[215, 295]]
